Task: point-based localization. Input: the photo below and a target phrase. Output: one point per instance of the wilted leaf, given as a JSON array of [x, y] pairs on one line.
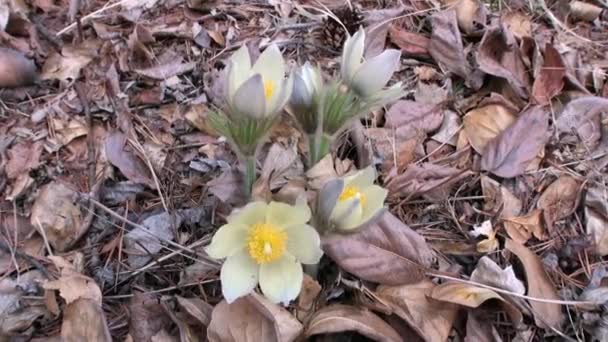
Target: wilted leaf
[[252, 319], [22, 158], [448, 132], [499, 55], [432, 320], [410, 43], [489, 273], [550, 81], [596, 218], [511, 151], [15, 69], [539, 286], [56, 213], [518, 23], [499, 199], [67, 65], [147, 316], [559, 200], [522, 228], [84, 320], [428, 180], [386, 252], [447, 49], [411, 118], [339, 318], [582, 115], [471, 14], [123, 157], [483, 124]]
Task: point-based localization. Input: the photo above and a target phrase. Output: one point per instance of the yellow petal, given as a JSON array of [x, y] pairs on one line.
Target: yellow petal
[[375, 196], [303, 242], [229, 239], [239, 276], [347, 214], [283, 215], [281, 280], [252, 213]]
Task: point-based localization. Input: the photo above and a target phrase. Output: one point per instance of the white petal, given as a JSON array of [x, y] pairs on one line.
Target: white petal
[[374, 201], [301, 96], [252, 213], [280, 98], [352, 55], [347, 214], [362, 178], [281, 280], [303, 242], [249, 98], [270, 65], [376, 72], [229, 239], [239, 276], [283, 215], [240, 69]]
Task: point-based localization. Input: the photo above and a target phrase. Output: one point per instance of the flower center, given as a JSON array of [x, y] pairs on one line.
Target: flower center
[[269, 88], [350, 192], [266, 242]]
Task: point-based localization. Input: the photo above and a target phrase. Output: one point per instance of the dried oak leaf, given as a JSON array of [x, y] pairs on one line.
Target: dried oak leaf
[[338, 318], [550, 82], [386, 252], [489, 273], [596, 218], [518, 23], [583, 116], [16, 70], [22, 157], [252, 318], [499, 199], [483, 124], [522, 228], [410, 43], [125, 159], [429, 180], [410, 118], [84, 320], [509, 154], [499, 55], [539, 286], [67, 65], [559, 200], [432, 320]]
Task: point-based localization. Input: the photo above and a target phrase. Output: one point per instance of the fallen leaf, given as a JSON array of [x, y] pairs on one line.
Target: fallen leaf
[[471, 14], [338, 318], [147, 316], [446, 48], [67, 65], [582, 115], [56, 213], [448, 131], [499, 199], [25, 239], [67, 130], [307, 298], [84, 320], [489, 273], [410, 118], [197, 272], [390, 148], [386, 252], [123, 157], [519, 23], [22, 158], [585, 11], [156, 153], [485, 229], [522, 228], [432, 320], [163, 336], [16, 70], [479, 329], [228, 187], [539, 286], [483, 124], [410, 43], [252, 319], [509, 154], [499, 55], [196, 309], [550, 82], [165, 71], [559, 200], [73, 286], [429, 180], [596, 218]]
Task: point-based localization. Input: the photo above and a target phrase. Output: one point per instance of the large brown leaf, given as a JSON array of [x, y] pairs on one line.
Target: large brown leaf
[[84, 320], [499, 199], [410, 43], [485, 123], [559, 200], [550, 81], [432, 320], [386, 252], [410, 118], [339, 318], [124, 158], [522, 228], [429, 180], [539, 285], [582, 115], [510, 152]]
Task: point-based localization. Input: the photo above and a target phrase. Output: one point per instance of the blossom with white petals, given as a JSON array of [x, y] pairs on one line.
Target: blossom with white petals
[[265, 244], [307, 86]]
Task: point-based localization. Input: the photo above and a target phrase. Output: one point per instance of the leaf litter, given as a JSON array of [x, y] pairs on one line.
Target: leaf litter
[[112, 179]]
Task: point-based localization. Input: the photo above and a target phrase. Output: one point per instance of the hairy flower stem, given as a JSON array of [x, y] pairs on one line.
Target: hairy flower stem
[[319, 147], [249, 174]]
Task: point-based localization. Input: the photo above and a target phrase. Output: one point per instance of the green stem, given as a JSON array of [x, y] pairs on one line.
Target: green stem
[[323, 146], [319, 147], [249, 175]]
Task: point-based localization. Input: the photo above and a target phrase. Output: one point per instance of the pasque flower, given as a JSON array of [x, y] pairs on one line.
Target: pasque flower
[[305, 97], [265, 244]]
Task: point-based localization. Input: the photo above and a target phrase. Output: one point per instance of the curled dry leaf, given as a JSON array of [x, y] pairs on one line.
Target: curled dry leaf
[[308, 295], [522, 228], [499, 55], [559, 200], [410, 118], [123, 157], [410, 43], [431, 319], [550, 82], [339, 318], [448, 132], [429, 180], [596, 218], [509, 154], [582, 115], [386, 252], [67, 65], [22, 157], [471, 14], [499, 199], [485, 229], [252, 318], [147, 316], [539, 286], [483, 124], [489, 273], [56, 213], [16, 70], [519, 23], [73, 286], [84, 320]]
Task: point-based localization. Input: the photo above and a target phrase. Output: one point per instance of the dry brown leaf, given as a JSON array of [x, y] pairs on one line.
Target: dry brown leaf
[[582, 116], [84, 320], [252, 318], [410, 43], [519, 23], [499, 55], [307, 298], [340, 318], [489, 273], [67, 65], [471, 14], [510, 153], [559, 200], [550, 82], [74, 286], [539, 286], [386, 252], [22, 157], [429, 180], [15, 69], [499, 199], [522, 228], [197, 309], [390, 148], [56, 213], [596, 218], [147, 316], [450, 127], [480, 329], [410, 118], [483, 124], [432, 320], [124, 158], [67, 130], [227, 187], [164, 71], [585, 11]]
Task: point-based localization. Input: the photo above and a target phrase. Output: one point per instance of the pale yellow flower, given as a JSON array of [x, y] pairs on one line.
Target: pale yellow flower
[[265, 244], [359, 201]]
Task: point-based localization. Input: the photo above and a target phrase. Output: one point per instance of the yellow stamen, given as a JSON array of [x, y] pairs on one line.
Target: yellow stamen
[[350, 192], [269, 89], [266, 242]]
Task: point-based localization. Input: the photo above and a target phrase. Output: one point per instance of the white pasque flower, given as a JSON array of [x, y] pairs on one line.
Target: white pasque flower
[[367, 78], [307, 85], [259, 91], [265, 244], [359, 201]]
